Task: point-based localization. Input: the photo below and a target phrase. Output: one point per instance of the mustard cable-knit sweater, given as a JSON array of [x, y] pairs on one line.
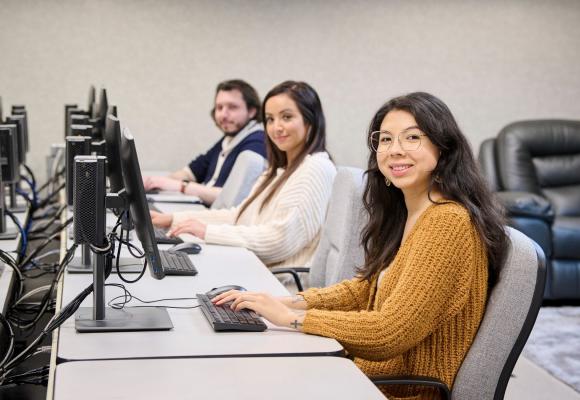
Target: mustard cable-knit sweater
[[425, 313]]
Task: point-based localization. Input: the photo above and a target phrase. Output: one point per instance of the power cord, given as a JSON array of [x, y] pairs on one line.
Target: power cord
[[128, 297]]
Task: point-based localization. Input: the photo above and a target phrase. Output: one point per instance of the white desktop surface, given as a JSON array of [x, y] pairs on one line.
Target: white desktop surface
[[192, 336], [281, 378]]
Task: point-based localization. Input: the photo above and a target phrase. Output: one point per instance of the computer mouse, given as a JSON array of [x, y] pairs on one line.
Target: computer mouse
[[186, 247], [222, 289]]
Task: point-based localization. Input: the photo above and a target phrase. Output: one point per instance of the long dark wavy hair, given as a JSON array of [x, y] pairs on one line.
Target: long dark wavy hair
[[456, 176], [310, 108]]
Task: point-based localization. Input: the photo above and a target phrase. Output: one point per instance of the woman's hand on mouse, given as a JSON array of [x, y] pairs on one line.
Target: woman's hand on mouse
[[192, 226], [264, 304]]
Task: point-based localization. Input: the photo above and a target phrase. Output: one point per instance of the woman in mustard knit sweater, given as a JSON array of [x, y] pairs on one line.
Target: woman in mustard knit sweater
[[433, 246]]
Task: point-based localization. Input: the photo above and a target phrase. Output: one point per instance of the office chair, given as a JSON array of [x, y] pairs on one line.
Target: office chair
[[534, 168], [247, 169], [340, 250], [509, 317]]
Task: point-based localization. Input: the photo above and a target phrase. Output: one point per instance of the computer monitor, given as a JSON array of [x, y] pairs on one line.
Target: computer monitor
[[103, 105], [112, 110], [92, 99], [113, 144], [139, 207], [9, 153], [18, 120], [20, 110], [67, 112]]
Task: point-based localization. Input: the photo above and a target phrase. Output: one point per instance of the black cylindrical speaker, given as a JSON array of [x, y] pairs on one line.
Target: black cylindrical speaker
[[75, 146], [89, 191]]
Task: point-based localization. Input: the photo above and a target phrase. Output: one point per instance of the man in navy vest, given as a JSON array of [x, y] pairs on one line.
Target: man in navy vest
[[237, 114]]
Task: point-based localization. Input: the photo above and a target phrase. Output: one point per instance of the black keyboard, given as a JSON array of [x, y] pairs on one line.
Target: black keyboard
[[162, 238], [223, 318], [176, 263]]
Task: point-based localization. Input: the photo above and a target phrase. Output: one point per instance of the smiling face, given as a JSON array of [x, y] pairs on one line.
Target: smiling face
[[285, 125], [409, 170], [231, 113]]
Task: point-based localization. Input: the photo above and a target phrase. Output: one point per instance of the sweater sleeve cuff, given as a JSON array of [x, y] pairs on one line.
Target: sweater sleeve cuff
[[312, 297], [312, 322]]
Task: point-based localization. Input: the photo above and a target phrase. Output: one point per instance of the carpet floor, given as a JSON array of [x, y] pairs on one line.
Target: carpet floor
[[554, 343]]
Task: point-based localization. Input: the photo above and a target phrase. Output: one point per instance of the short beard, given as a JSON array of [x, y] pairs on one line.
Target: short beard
[[232, 134]]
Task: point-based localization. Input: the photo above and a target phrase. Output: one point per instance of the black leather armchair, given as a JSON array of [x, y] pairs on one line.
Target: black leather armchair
[[535, 168]]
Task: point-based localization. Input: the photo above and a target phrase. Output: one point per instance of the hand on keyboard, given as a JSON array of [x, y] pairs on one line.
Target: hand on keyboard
[[223, 318], [264, 304]]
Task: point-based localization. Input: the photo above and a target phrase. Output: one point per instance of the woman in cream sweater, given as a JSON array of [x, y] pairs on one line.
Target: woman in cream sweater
[[433, 246], [280, 220]]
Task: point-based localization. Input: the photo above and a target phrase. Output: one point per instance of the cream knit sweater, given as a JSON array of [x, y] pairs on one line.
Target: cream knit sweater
[[286, 232]]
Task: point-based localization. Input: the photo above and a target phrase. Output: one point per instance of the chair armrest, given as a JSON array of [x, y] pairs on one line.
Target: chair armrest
[[414, 380], [525, 204], [294, 272]]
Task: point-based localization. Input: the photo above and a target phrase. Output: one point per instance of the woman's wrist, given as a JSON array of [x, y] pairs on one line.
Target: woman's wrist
[[296, 320], [295, 302]]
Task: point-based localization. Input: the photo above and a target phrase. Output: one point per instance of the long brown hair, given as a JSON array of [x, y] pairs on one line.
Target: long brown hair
[[310, 108], [458, 178]]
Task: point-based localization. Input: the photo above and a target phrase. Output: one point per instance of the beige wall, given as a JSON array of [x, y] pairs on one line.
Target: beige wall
[[492, 62]]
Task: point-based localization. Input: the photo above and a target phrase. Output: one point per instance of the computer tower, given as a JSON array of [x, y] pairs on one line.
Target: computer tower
[[81, 130], [89, 192], [75, 146]]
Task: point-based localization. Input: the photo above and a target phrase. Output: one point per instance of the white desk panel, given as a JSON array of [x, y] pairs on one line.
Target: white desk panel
[[192, 336], [281, 378]]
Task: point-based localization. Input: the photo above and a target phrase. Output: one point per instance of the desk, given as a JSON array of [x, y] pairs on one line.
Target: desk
[[7, 273], [192, 336], [281, 378]]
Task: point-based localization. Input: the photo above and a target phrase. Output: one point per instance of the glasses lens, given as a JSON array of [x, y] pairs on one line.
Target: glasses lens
[[381, 141], [411, 141], [375, 140]]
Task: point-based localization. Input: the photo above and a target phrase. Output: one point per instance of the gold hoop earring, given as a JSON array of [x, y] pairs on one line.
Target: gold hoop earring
[[387, 181]]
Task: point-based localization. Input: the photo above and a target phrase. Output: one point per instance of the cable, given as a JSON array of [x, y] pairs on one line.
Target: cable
[[44, 225], [29, 171], [31, 293], [119, 273], [53, 323], [10, 262], [23, 236], [10, 349], [128, 297], [32, 185], [44, 202], [46, 298]]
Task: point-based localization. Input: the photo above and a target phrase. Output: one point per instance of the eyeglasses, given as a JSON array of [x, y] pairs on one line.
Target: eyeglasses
[[382, 141]]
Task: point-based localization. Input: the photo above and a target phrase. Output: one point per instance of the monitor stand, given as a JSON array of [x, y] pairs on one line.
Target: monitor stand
[[9, 233], [104, 319]]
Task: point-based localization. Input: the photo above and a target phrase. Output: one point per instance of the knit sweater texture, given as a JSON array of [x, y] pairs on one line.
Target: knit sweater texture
[[424, 314], [287, 230]]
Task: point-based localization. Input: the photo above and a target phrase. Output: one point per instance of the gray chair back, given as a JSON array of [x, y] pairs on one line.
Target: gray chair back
[[340, 250], [247, 169], [509, 317]]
